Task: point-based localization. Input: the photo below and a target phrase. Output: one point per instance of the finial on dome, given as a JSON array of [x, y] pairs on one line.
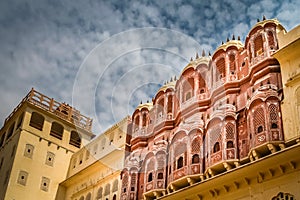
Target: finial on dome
[[197, 56], [175, 78], [171, 80], [227, 40], [222, 42], [191, 59], [203, 53], [141, 102], [147, 101], [264, 17], [258, 20], [233, 37], [209, 53], [239, 38]]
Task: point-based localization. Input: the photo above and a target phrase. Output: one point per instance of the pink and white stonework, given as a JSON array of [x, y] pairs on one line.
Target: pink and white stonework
[[222, 111]]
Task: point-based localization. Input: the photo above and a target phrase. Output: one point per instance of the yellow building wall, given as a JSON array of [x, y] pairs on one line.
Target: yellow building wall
[[97, 165], [289, 59]]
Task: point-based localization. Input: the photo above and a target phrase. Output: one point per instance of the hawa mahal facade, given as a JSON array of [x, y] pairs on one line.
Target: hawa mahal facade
[[221, 113]]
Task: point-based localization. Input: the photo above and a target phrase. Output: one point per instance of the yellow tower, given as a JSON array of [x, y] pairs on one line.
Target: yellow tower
[[289, 59], [36, 143]]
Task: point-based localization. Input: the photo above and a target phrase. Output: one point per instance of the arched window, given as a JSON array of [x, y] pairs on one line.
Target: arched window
[[160, 175], [258, 45], [115, 197], [133, 181], [260, 129], [273, 116], [115, 186], [216, 147], [230, 144], [232, 63], [180, 162], [284, 196], [144, 119], [271, 40], [220, 71], [274, 125], [195, 159], [137, 121], [88, 196], [99, 193], [107, 189], [81, 198], [10, 130], [75, 139], [150, 177], [160, 108], [170, 104], [124, 182], [37, 121], [57, 130], [259, 120]]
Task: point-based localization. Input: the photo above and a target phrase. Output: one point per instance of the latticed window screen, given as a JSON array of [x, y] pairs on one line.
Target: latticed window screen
[[215, 135], [271, 39], [259, 119], [258, 45], [133, 179], [125, 181], [161, 161], [220, 68], [232, 63], [273, 113], [196, 146], [229, 131], [180, 149], [151, 165]]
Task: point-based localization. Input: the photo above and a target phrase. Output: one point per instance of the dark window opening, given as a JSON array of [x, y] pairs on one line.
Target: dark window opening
[[75, 139], [37, 121], [132, 189], [260, 129], [150, 177], [274, 125], [230, 144], [195, 159], [160, 175], [180, 162], [57, 130], [216, 147]]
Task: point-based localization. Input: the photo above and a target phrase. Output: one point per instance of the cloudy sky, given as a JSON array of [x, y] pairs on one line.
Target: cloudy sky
[[104, 57]]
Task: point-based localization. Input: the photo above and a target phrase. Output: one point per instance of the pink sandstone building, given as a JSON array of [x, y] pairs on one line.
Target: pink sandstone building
[[222, 112]]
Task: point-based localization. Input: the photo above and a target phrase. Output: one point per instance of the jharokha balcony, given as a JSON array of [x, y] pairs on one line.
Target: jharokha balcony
[[62, 110]]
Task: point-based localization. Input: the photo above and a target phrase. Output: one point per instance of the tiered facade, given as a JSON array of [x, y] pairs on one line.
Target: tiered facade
[[222, 112]]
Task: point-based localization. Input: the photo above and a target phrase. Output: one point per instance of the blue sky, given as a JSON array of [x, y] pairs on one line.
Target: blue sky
[[103, 57]]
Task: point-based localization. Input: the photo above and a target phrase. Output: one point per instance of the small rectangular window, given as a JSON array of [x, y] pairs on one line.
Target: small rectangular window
[[50, 158], [45, 184], [28, 152], [22, 179]]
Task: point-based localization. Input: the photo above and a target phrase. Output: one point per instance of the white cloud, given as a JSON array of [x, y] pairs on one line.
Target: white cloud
[[43, 44]]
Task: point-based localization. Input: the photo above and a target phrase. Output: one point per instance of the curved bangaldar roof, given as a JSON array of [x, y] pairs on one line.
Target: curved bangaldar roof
[[147, 105], [264, 22], [236, 43], [194, 63]]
